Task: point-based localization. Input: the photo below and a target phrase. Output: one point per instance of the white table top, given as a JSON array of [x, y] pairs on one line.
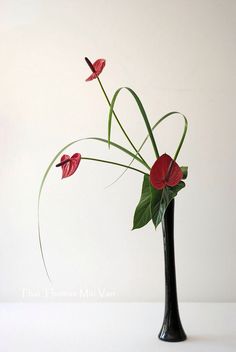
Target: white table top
[[113, 327]]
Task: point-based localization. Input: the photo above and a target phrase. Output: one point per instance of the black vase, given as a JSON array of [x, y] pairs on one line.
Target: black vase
[[172, 330]]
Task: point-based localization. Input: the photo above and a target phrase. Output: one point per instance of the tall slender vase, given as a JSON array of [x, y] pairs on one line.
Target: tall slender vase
[[172, 330]]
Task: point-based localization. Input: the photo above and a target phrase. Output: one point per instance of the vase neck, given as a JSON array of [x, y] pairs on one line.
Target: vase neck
[[169, 254], [172, 329]]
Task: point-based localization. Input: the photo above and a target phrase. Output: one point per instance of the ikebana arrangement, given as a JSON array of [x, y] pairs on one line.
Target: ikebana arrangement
[[161, 182]]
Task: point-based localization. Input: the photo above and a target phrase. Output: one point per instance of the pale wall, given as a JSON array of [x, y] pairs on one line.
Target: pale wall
[[177, 55]]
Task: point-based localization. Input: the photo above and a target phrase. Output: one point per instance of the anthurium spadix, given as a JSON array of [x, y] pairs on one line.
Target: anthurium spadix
[[161, 182]]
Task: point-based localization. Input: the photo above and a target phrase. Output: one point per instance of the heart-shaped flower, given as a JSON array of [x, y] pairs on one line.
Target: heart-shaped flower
[[165, 172], [96, 68], [69, 164]]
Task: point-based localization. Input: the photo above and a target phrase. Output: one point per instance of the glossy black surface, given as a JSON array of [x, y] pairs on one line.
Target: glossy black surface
[[172, 330]]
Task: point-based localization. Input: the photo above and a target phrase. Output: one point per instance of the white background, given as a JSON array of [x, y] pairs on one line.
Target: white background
[[177, 55]]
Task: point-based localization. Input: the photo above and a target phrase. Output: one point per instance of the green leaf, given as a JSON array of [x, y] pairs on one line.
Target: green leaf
[[157, 206], [142, 213], [160, 201], [184, 170], [153, 203], [173, 191]]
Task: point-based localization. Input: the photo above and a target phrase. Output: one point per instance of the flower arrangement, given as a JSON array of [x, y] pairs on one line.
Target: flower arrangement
[[161, 182]]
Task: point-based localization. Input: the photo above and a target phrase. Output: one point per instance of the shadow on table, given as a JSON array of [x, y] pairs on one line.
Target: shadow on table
[[220, 339]]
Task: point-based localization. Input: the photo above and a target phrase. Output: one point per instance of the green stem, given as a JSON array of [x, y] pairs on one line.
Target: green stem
[[120, 125], [114, 163]]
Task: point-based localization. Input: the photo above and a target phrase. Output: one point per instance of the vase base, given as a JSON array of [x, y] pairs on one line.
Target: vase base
[[172, 335], [167, 339]]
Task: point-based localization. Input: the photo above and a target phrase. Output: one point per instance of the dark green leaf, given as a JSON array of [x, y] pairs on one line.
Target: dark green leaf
[[157, 206], [142, 213], [160, 201], [184, 170], [173, 191]]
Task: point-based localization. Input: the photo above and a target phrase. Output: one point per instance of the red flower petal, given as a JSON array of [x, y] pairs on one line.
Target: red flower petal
[[165, 172], [98, 66], [71, 166]]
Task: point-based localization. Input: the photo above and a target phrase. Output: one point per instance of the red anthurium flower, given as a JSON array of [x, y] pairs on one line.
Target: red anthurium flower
[[165, 172], [69, 164], [96, 67]]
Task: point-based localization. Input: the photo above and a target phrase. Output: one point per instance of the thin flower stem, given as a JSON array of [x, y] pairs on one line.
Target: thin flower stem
[[120, 125], [114, 163]]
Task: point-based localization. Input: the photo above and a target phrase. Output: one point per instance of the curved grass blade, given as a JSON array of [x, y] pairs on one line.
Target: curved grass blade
[[118, 146], [135, 157], [143, 112], [153, 128], [114, 163], [119, 123]]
